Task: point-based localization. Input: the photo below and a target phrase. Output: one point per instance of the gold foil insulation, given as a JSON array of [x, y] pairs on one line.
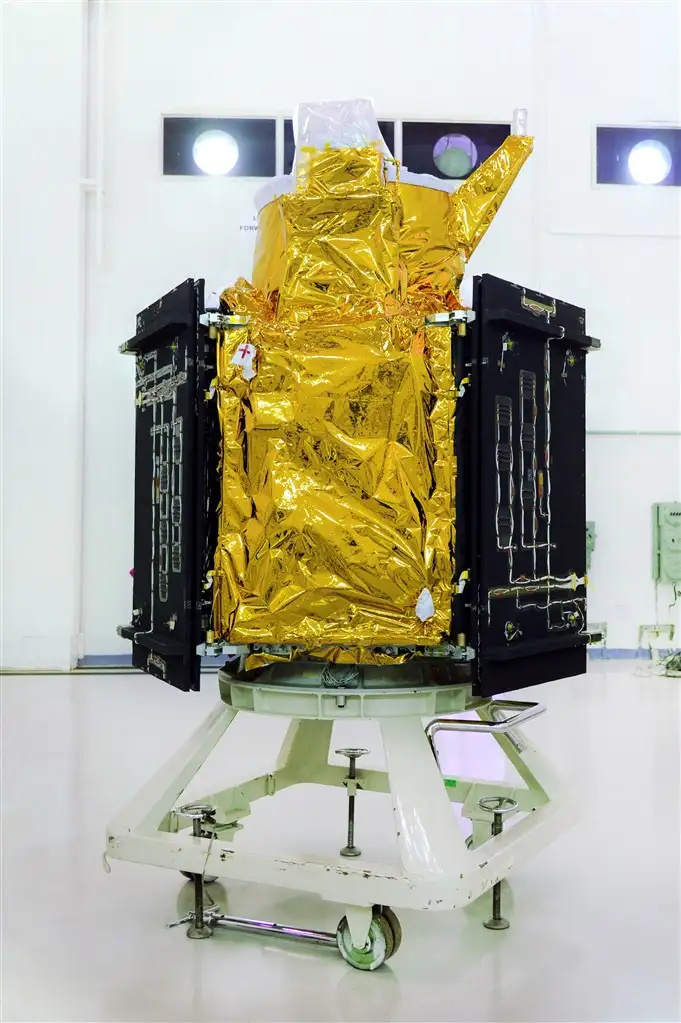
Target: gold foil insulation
[[344, 514], [333, 654], [437, 231], [338, 467]]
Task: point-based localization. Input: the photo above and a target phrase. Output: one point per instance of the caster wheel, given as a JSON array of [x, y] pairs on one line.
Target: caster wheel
[[208, 879], [380, 944], [395, 927]]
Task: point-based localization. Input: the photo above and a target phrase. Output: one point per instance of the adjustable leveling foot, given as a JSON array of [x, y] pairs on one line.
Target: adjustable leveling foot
[[499, 806], [200, 814]]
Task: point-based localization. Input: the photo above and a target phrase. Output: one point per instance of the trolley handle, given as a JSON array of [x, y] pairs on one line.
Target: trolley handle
[[524, 712]]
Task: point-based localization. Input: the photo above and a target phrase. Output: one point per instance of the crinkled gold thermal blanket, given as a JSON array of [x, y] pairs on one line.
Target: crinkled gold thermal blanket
[[338, 467]]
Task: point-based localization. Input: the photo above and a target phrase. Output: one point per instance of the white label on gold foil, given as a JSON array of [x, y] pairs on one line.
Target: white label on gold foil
[[425, 608], [244, 356]]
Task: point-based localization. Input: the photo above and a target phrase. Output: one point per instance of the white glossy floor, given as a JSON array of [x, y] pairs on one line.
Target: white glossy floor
[[595, 918]]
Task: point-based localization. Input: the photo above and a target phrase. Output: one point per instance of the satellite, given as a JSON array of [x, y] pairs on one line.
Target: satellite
[[368, 495]]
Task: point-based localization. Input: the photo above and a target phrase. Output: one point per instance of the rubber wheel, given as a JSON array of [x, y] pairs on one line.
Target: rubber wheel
[[208, 879], [394, 924], [380, 943]]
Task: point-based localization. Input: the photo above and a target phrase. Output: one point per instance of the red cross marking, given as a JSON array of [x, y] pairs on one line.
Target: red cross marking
[[243, 352]]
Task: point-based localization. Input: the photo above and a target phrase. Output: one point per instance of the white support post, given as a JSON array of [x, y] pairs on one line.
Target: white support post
[[428, 836], [145, 812], [305, 750]]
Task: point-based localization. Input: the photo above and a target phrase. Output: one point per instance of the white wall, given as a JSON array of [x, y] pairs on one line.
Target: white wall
[[42, 352], [241, 58], [613, 249]]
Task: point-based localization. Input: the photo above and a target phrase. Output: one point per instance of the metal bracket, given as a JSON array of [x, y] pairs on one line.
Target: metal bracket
[[449, 317], [220, 649], [451, 652], [463, 579], [223, 321]]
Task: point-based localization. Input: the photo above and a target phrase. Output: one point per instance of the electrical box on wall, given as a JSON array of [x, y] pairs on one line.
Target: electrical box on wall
[[590, 543], [667, 543]]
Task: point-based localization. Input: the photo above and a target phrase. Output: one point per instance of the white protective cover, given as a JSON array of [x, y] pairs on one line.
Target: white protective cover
[[340, 123]]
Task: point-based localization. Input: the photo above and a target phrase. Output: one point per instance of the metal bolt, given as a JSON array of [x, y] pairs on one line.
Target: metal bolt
[[352, 754], [500, 806], [198, 814]]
